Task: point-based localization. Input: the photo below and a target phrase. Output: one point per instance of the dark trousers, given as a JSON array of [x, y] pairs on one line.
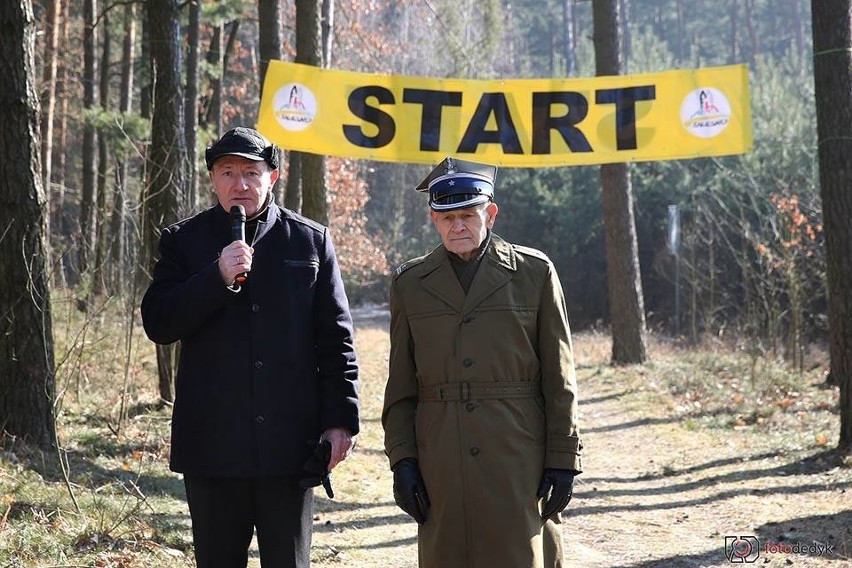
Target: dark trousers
[[225, 512]]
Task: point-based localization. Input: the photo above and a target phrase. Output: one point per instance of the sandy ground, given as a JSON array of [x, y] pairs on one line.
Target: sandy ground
[[654, 493]]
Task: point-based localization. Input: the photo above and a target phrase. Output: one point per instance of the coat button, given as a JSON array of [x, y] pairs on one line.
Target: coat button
[[467, 319], [467, 362], [474, 451], [259, 419], [470, 407], [255, 308], [258, 364]]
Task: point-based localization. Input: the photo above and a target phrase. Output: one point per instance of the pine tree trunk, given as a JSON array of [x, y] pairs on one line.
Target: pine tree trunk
[[627, 312], [98, 268], [309, 52], [164, 191], [217, 56], [327, 23], [118, 251], [48, 89], [61, 220], [569, 44], [89, 158], [27, 388], [293, 194], [833, 87], [191, 105], [215, 59], [271, 32]]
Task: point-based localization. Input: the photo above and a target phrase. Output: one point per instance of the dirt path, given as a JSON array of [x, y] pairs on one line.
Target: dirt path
[[657, 494]]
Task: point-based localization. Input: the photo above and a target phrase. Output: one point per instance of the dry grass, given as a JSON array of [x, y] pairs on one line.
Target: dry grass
[[649, 428]]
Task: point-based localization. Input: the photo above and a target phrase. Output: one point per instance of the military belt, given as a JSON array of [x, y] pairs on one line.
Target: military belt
[[466, 390]]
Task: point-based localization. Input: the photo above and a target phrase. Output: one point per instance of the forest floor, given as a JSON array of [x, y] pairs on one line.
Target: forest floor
[[697, 451]]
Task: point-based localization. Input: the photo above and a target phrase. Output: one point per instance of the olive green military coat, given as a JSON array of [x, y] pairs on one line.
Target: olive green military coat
[[482, 391]]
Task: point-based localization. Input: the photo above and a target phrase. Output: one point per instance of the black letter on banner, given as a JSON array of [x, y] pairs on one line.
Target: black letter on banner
[[505, 135], [625, 111], [430, 120], [358, 106], [543, 122]]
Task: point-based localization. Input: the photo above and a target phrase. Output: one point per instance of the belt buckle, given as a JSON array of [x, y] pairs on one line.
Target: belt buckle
[[464, 391]]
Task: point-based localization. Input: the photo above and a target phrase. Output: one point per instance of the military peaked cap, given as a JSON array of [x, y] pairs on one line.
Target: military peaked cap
[[457, 184]]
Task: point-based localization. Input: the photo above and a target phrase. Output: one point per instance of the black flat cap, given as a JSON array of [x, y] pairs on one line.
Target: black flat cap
[[246, 143]]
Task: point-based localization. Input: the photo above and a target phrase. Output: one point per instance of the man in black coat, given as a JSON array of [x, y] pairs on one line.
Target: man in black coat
[[267, 363]]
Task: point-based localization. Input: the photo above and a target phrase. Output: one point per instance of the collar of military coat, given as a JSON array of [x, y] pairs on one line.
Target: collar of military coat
[[499, 252]]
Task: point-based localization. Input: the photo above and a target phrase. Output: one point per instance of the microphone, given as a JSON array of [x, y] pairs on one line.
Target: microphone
[[238, 230]]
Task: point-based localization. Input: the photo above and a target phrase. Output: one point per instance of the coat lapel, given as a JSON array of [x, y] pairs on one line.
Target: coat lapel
[[263, 225], [496, 271], [441, 281]]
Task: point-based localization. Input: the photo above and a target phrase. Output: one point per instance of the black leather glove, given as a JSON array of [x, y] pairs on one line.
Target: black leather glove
[[409, 491], [316, 469], [560, 484]]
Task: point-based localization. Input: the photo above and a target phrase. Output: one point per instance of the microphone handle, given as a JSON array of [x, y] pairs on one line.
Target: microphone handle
[[239, 228], [242, 276]]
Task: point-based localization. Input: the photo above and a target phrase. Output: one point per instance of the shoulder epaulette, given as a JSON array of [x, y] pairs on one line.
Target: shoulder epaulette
[[406, 265], [529, 251]]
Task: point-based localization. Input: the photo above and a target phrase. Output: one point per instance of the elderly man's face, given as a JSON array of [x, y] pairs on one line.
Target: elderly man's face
[[240, 181], [463, 230]]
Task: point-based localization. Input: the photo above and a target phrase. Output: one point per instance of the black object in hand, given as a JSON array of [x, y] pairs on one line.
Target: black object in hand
[[316, 469], [409, 490], [238, 231], [560, 484]]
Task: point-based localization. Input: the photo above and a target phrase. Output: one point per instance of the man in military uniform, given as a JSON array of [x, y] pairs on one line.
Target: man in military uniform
[[480, 409]]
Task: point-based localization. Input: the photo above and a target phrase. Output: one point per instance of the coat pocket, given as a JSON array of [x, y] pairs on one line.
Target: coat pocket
[[301, 272], [293, 263]]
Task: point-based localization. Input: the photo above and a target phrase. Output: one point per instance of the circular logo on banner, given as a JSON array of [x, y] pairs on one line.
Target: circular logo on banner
[[705, 112], [295, 106]]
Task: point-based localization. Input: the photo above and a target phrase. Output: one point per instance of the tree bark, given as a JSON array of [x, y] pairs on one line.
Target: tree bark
[[832, 33], [626, 305], [271, 32], [89, 158], [734, 15], [118, 222], [48, 89], [752, 32], [293, 193], [62, 115], [191, 105], [309, 52], [218, 56], [27, 387], [327, 31], [163, 194], [146, 75], [98, 272], [60, 218], [570, 43], [215, 59]]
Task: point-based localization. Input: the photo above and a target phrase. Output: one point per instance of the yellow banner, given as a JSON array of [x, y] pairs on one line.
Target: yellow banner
[[512, 123]]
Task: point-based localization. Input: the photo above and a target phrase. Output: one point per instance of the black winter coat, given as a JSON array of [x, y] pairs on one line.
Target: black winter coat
[[263, 371]]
